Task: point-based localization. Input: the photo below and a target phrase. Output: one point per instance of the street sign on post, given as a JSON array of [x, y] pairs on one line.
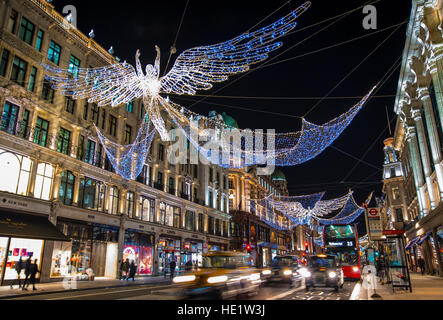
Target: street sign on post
[[374, 223]]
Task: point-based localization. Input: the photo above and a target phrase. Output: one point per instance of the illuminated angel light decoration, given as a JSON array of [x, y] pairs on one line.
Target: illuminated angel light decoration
[[128, 160], [195, 69]]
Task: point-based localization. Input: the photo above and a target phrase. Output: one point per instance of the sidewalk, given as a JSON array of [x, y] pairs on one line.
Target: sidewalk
[[423, 288], [98, 282]]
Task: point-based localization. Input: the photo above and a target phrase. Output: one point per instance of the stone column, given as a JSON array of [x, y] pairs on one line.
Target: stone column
[[438, 88], [433, 137], [32, 176], [155, 257], [78, 177], [57, 182], [424, 152]]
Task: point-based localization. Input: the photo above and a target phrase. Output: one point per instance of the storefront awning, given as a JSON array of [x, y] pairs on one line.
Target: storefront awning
[[424, 238], [411, 243], [22, 225]]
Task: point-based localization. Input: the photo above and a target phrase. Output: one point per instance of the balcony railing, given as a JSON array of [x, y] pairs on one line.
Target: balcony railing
[[185, 196], [159, 186], [171, 191]]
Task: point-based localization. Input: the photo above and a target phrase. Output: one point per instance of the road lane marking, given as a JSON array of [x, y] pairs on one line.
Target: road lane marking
[[284, 294], [356, 292], [101, 293]]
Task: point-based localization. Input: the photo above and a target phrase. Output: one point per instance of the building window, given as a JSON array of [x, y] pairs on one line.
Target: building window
[[130, 106], [161, 213], [66, 193], [211, 199], [190, 220], [171, 185], [161, 150], [200, 223], [160, 179], [218, 227], [113, 200], [18, 73], [399, 214], [26, 31], [25, 124], [142, 177], [12, 21], [177, 217], [130, 203], [128, 132], [98, 158], [15, 171], [9, 118], [81, 147], [95, 113], [395, 193], [92, 194], [147, 209], [210, 175], [85, 111], [4, 62], [39, 43], [70, 105], [112, 125], [32, 77], [90, 151], [74, 65], [103, 118], [47, 91], [64, 141], [41, 132], [210, 225], [43, 181], [54, 52]]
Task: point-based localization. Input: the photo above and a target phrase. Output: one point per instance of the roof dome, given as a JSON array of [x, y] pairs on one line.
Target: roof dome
[[229, 121], [278, 175]]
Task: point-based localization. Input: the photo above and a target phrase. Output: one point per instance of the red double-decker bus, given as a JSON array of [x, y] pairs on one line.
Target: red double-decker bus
[[342, 241]]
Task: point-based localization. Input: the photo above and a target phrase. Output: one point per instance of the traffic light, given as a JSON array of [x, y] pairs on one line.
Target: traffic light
[[248, 248]]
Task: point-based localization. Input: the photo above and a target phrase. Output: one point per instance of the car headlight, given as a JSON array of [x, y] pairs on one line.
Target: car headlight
[[287, 272], [181, 279], [332, 274], [217, 279], [266, 272], [355, 269], [305, 272]]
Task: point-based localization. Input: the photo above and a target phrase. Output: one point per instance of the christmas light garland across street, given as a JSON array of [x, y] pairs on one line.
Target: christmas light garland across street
[[193, 70]]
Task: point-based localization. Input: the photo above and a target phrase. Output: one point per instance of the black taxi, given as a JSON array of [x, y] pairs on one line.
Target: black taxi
[[323, 271], [283, 268]]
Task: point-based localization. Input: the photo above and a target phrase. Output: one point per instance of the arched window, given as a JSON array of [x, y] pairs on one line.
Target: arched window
[[147, 209], [161, 213], [15, 171], [43, 181], [67, 187]]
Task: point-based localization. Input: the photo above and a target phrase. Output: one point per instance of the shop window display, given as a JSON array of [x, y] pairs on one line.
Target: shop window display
[[25, 248], [61, 259], [138, 248], [3, 253]]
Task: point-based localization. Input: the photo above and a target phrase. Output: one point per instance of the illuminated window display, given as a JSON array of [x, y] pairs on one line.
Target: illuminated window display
[[25, 248], [61, 259], [139, 248], [193, 252], [168, 249], [15, 172], [3, 255]]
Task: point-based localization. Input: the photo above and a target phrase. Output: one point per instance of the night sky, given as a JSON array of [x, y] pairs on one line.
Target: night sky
[[132, 25]]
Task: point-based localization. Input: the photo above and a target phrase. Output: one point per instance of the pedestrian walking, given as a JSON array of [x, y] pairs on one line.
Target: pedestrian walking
[[125, 269], [33, 270], [132, 270], [188, 265], [172, 265], [120, 269], [18, 268], [421, 264], [27, 271], [164, 268]]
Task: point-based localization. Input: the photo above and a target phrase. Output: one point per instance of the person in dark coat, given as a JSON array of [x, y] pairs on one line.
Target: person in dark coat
[[421, 264], [120, 269], [125, 269], [172, 265], [132, 271], [27, 268], [18, 268], [33, 270]]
